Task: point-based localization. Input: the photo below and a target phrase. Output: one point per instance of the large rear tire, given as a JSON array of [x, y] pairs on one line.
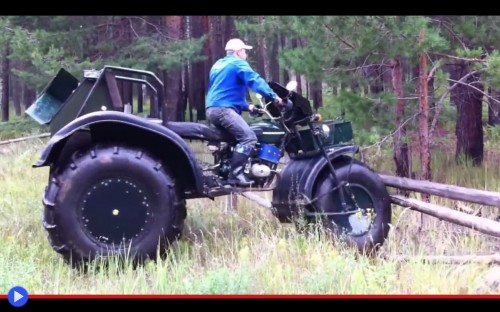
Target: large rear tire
[[112, 201], [368, 228]]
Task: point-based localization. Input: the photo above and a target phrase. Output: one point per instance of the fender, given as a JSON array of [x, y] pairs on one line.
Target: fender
[[297, 181], [155, 134]]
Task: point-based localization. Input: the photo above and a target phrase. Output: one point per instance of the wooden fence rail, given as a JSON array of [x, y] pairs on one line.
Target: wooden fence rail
[[480, 224], [43, 135], [444, 190]]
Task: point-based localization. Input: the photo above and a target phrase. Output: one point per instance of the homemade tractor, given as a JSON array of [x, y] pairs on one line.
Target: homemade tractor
[[119, 182]]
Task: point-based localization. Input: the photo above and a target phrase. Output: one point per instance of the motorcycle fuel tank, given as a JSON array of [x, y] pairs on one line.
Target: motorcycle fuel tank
[[267, 132]]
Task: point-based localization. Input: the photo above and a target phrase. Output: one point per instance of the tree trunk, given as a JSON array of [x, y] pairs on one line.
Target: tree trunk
[[201, 111], [198, 74], [295, 45], [184, 97], [29, 96], [185, 73], [261, 50], [16, 94], [374, 76], [317, 94], [286, 74], [216, 38], [229, 28], [400, 147], [152, 99], [173, 82], [430, 96], [386, 78], [127, 93], [425, 154], [469, 128], [423, 118], [140, 98], [5, 85], [274, 67]]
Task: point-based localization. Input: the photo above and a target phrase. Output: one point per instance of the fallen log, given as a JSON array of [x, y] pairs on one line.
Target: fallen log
[[485, 226], [257, 199], [482, 259], [444, 190], [43, 135]]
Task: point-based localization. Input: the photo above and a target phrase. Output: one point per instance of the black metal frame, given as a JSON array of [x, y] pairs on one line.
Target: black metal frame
[[114, 73]]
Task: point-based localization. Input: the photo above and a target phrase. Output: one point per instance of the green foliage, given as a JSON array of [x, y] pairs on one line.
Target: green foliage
[[492, 137], [6, 31], [492, 70], [45, 65], [371, 120], [340, 42], [42, 58], [44, 44], [19, 126], [471, 31], [154, 52], [440, 82]]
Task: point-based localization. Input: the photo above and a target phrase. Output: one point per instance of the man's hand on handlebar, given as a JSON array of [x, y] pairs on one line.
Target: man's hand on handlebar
[[255, 110], [278, 101]]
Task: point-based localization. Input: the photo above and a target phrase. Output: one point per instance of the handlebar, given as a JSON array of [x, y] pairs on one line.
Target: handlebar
[[261, 111], [286, 106], [258, 111]]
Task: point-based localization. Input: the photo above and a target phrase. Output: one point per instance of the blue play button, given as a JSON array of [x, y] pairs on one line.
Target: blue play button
[[17, 296]]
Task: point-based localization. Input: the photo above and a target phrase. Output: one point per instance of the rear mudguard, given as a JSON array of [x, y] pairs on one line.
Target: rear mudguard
[[110, 125], [297, 182]]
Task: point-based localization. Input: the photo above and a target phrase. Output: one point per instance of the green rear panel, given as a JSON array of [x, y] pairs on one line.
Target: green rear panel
[[99, 98], [340, 132], [70, 110], [271, 133]]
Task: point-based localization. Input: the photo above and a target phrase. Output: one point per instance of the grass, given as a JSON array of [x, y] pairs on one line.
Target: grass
[[245, 250], [18, 125]]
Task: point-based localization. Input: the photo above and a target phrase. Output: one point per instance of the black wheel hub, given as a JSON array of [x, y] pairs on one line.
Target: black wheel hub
[[115, 210]]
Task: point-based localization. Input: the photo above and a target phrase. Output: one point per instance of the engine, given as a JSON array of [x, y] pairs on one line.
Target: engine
[[260, 166], [264, 163], [259, 170]]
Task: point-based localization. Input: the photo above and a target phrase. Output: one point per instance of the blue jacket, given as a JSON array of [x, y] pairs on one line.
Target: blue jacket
[[228, 81]]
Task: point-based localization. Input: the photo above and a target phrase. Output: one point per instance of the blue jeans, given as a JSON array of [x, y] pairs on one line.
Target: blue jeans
[[230, 120]]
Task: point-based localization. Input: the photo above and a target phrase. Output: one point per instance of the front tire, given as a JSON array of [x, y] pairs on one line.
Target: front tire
[[112, 200], [368, 228]]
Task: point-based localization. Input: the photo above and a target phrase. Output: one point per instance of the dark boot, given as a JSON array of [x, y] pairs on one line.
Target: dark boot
[[236, 175]]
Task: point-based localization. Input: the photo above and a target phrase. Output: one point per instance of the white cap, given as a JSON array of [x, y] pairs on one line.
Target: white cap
[[236, 44]]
